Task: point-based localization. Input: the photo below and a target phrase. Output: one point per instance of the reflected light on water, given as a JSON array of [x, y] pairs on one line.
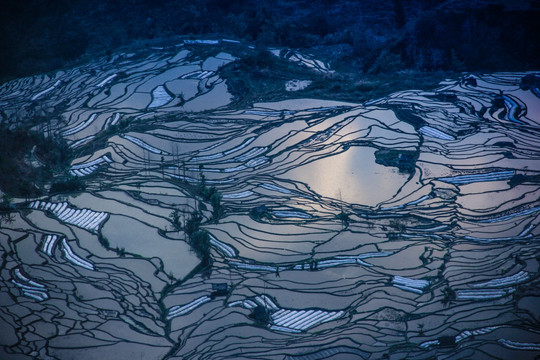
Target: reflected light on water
[[352, 175]]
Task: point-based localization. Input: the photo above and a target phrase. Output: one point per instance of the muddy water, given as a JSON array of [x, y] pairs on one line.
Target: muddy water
[[364, 260]]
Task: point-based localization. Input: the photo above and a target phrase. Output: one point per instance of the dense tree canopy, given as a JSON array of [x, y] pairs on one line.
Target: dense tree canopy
[[374, 36]]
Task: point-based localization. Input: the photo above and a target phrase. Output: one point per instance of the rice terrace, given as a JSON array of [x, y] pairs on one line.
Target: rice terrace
[[163, 215]]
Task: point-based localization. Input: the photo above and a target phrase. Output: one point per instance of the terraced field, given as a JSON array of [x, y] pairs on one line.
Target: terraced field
[[404, 227]]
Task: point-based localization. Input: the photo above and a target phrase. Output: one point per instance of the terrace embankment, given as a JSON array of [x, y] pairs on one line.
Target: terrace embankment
[[215, 226]]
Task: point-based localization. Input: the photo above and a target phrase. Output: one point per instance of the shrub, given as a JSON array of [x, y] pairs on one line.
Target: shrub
[[260, 314], [104, 241], [259, 212], [72, 184], [404, 160], [19, 177], [217, 208], [193, 223], [175, 218], [344, 217]]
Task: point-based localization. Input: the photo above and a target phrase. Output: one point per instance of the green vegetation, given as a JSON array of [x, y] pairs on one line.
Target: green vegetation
[[260, 314], [259, 212], [447, 341], [29, 160], [518, 179], [121, 252], [217, 207], [404, 160], [358, 86], [449, 295], [420, 329], [175, 219], [71, 184], [104, 241], [6, 205], [344, 218], [426, 256], [5, 211], [260, 74], [102, 137], [530, 81], [212, 195], [199, 239], [409, 116], [361, 36], [193, 223], [397, 225]]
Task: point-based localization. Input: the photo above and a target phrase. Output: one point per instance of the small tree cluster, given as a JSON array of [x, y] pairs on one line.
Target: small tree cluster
[[212, 195], [193, 223], [344, 218], [175, 219], [5, 211], [71, 184]]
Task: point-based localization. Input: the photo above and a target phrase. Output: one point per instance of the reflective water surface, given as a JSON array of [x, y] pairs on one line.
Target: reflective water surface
[[406, 227]]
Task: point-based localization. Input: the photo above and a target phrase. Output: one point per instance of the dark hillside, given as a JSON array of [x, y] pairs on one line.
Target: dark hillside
[[373, 36]]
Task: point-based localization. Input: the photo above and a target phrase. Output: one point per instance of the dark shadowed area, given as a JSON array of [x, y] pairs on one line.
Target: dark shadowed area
[[274, 180], [367, 36]]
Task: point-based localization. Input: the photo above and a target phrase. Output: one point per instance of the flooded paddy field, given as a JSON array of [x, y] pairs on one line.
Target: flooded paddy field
[[404, 227]]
